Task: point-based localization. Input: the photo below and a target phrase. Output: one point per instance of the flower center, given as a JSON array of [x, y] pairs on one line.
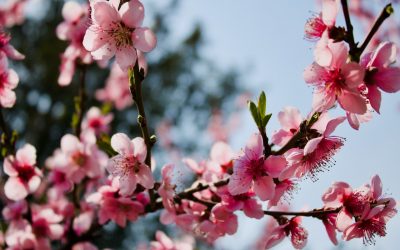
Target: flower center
[[122, 35], [79, 159], [314, 28], [25, 172], [371, 228], [336, 82], [256, 168]]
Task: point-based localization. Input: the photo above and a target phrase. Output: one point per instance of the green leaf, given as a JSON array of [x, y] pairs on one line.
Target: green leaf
[[262, 104], [254, 112], [265, 120]]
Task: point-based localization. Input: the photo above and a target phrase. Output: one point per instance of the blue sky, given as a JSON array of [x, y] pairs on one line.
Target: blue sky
[[266, 39]]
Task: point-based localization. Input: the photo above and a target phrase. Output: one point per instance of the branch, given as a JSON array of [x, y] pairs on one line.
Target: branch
[[316, 213], [386, 12], [136, 77], [79, 103], [6, 138], [349, 28]]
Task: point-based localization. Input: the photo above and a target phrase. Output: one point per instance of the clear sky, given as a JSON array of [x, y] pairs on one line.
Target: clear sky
[[266, 39]]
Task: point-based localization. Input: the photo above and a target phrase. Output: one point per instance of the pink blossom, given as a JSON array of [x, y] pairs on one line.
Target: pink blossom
[[329, 222], [118, 32], [8, 81], [96, 121], [15, 210], [290, 120], [19, 235], [46, 223], [317, 152], [114, 207], [80, 157], [83, 222], [379, 73], [73, 29], [116, 90], [167, 189], [24, 175], [317, 25], [251, 170], [246, 202], [12, 12], [7, 48], [129, 165], [165, 243], [338, 81]]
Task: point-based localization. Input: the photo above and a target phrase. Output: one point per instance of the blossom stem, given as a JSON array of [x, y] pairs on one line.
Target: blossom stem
[[6, 138], [386, 12], [267, 147], [136, 77], [80, 101], [349, 29], [292, 143], [316, 213]]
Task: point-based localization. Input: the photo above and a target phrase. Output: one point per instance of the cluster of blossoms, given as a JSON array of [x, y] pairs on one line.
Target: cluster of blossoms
[[90, 181]]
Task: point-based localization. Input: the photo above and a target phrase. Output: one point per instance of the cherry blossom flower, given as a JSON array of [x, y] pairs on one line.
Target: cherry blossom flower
[[379, 73], [7, 48], [167, 189], [19, 235], [251, 170], [317, 152], [165, 243], [338, 81], [290, 120], [79, 158], [246, 202], [12, 12], [8, 81], [118, 32], [24, 175], [129, 164], [96, 121], [114, 207], [371, 210], [317, 25], [116, 90], [15, 210], [46, 224]]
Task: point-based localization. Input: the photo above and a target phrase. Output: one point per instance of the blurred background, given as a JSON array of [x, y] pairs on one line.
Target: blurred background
[[211, 57]]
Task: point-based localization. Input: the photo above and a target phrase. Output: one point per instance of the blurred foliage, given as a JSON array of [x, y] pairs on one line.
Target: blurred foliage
[[182, 86]]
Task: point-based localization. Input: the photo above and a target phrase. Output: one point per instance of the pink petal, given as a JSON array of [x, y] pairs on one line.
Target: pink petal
[[94, 39], [132, 13], [105, 52], [254, 147], [331, 230], [388, 79], [253, 209], [384, 55], [9, 168], [221, 153], [322, 100], [374, 96], [354, 74], [12, 53], [69, 143], [14, 189], [353, 120], [352, 102], [340, 53], [312, 145], [145, 177], [352, 232], [290, 118], [72, 11], [332, 125], [104, 14], [264, 187], [343, 220], [376, 186], [7, 98], [13, 79], [121, 143], [27, 155], [313, 74], [144, 39], [329, 12], [239, 184], [34, 184], [275, 165], [323, 55], [140, 150], [126, 57], [127, 184]]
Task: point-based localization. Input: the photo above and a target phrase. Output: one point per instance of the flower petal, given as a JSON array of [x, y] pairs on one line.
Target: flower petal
[[264, 187], [144, 39]]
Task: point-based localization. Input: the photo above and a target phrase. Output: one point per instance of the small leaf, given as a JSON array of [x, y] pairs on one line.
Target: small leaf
[[262, 104], [254, 112], [266, 120]]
